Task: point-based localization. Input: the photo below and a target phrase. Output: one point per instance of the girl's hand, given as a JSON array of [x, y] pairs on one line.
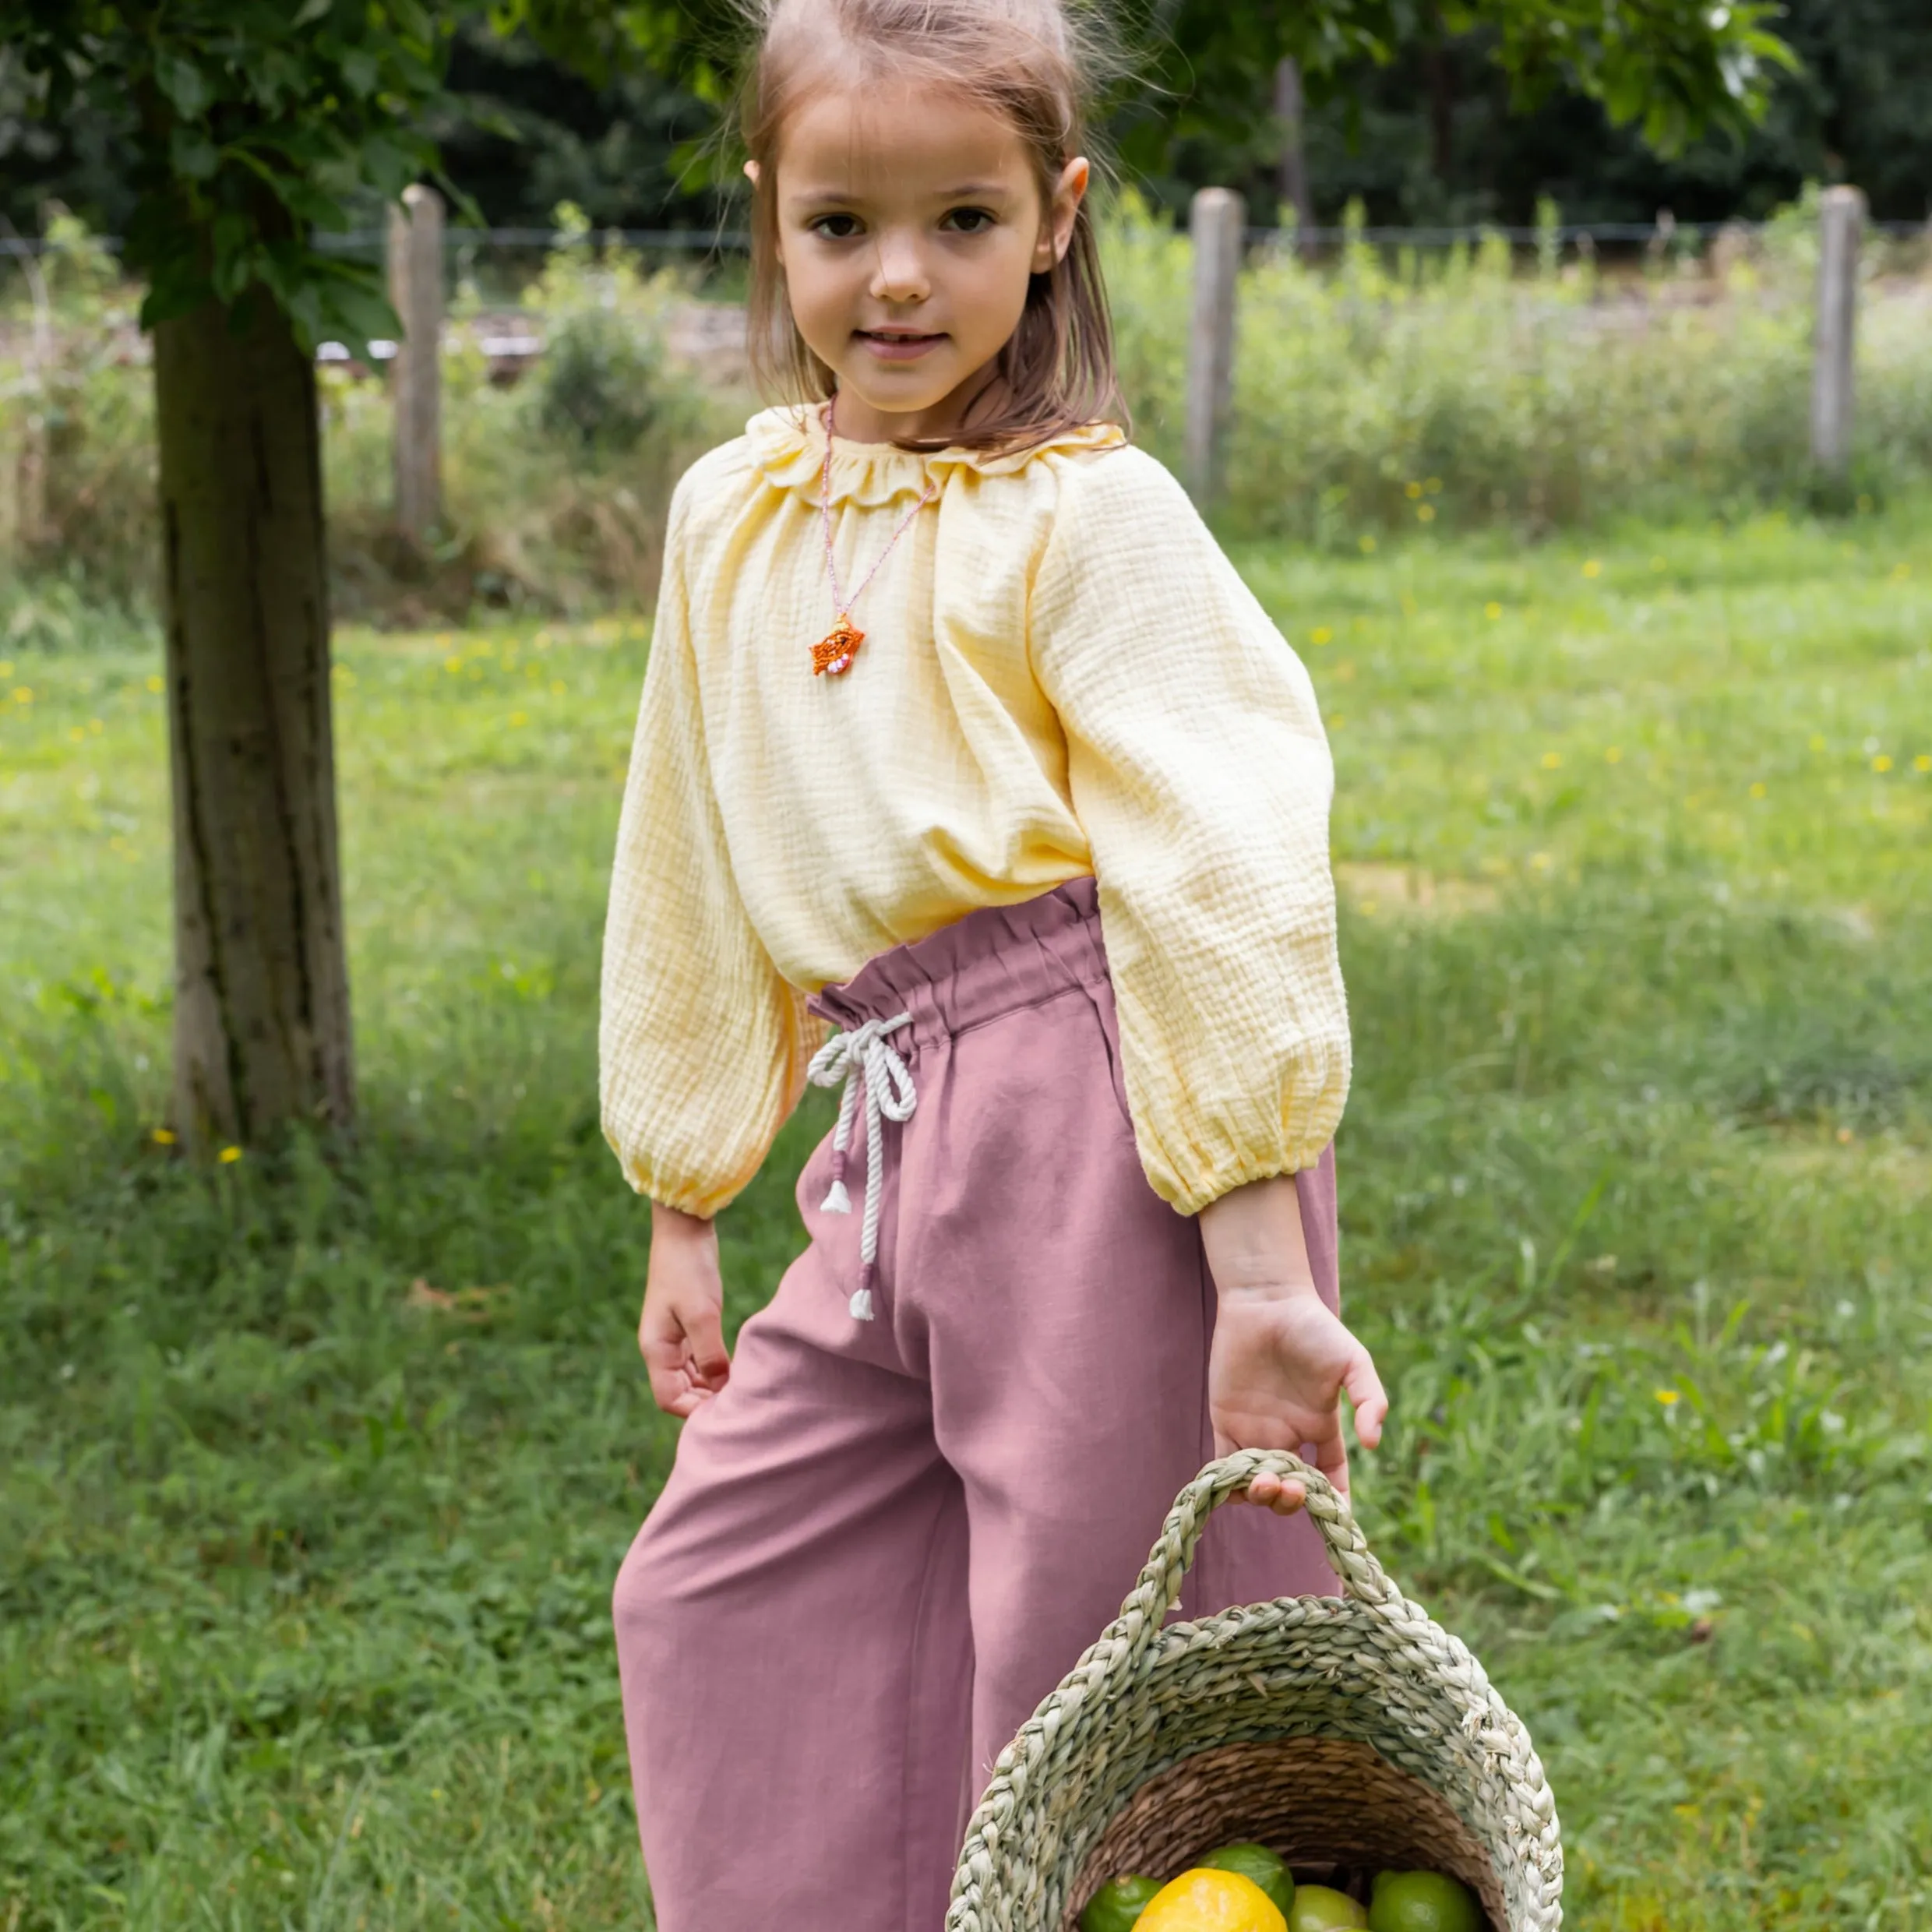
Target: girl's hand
[[681, 1333], [1278, 1366], [1280, 1359]]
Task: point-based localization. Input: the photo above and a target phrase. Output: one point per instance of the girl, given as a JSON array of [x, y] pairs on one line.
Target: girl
[[959, 733]]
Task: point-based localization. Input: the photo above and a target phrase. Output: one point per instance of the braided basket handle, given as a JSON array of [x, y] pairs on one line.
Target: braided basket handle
[[1159, 1588]]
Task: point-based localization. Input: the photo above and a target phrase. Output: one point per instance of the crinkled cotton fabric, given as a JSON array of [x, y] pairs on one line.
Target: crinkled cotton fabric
[[1061, 676]]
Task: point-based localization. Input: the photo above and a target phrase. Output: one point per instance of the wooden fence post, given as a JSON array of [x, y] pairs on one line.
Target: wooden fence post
[[1841, 220], [415, 290], [1218, 222], [1290, 104]]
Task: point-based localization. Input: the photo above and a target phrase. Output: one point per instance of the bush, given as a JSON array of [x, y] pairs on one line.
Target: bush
[[1369, 396], [554, 489], [597, 384]]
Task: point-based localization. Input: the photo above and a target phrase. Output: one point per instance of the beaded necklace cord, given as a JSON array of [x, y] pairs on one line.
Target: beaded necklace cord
[[834, 652]]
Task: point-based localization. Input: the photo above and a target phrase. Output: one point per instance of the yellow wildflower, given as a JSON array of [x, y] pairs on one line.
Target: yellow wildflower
[[162, 1136], [1321, 634], [1614, 755], [1669, 1396], [1552, 760], [1759, 789], [1425, 513], [1592, 568], [1882, 762], [1492, 609], [229, 1156], [1412, 490]]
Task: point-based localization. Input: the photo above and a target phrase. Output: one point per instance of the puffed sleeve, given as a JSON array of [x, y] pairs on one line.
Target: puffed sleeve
[[702, 1044], [1199, 769]]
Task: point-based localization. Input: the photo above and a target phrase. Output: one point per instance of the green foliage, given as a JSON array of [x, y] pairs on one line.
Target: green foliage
[[255, 125], [303, 1608], [531, 523], [1452, 390], [242, 130], [1448, 392], [1437, 136], [601, 386], [1671, 68], [77, 466], [599, 383]]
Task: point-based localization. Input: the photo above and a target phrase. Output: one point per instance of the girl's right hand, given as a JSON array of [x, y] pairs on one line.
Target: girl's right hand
[[681, 1333]]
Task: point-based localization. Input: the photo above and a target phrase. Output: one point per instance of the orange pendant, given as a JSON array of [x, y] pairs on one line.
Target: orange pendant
[[835, 652]]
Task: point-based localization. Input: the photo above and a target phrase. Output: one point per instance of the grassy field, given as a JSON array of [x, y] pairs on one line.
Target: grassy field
[[313, 1479]]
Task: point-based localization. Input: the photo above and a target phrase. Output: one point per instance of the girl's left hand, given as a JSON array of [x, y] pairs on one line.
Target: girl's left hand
[[1281, 1359], [1279, 1364]]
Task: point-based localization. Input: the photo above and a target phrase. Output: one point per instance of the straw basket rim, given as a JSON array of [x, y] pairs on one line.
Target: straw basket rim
[[1029, 1834]]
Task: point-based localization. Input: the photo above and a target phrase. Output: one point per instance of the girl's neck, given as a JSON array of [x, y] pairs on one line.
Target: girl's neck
[[851, 419]]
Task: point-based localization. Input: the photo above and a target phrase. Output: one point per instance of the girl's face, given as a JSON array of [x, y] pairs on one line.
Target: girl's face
[[909, 219]]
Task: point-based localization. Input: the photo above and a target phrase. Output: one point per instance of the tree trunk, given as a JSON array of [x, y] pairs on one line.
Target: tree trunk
[[1290, 105], [262, 1032]]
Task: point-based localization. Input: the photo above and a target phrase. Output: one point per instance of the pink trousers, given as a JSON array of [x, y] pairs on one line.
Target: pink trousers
[[886, 1541]]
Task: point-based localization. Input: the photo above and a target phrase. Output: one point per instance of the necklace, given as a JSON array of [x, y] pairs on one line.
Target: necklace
[[835, 651]]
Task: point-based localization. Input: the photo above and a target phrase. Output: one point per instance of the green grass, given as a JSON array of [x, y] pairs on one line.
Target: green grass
[[303, 1582]]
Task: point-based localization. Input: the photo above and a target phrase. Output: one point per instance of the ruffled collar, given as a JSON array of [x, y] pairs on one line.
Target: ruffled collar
[[788, 445]]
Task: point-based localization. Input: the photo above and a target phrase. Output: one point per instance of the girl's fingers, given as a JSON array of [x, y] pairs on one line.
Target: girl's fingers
[[1331, 1454], [1368, 1398], [1283, 1496], [669, 1385], [704, 1340]]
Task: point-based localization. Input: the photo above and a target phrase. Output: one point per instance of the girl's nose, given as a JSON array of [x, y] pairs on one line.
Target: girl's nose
[[899, 270]]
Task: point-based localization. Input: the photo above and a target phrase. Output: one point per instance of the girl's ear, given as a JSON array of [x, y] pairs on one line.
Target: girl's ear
[[751, 173], [1056, 232]]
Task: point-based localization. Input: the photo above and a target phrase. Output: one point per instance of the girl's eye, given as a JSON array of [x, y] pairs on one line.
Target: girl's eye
[[835, 228], [968, 220]]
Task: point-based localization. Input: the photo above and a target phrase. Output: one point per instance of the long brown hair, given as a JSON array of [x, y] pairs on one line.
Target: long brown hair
[[1034, 61]]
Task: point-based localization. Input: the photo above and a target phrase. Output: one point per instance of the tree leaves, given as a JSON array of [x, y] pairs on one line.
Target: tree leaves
[[257, 123]]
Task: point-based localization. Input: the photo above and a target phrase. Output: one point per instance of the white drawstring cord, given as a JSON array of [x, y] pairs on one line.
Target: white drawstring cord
[[862, 1054]]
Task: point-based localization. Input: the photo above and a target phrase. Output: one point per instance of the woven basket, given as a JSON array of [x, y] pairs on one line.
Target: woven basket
[[1349, 1734]]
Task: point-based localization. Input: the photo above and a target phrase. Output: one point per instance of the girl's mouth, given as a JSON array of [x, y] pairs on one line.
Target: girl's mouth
[[898, 345]]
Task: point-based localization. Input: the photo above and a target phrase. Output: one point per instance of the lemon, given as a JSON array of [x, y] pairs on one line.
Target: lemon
[[1204, 1901], [1257, 1862], [1319, 1908], [1117, 1905], [1423, 1901]]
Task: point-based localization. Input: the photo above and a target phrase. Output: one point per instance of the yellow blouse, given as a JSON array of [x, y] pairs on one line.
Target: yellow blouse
[[1062, 675]]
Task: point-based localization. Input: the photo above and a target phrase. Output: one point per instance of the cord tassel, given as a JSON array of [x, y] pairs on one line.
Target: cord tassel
[[836, 1200], [862, 1295], [862, 1057]]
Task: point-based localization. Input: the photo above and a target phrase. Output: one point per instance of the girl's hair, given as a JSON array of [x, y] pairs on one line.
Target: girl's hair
[[1029, 60]]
